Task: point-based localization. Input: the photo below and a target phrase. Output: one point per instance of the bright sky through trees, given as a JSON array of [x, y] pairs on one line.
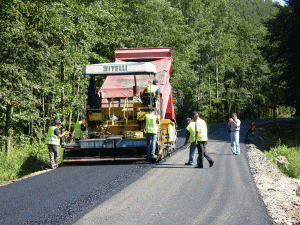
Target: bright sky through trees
[[281, 2]]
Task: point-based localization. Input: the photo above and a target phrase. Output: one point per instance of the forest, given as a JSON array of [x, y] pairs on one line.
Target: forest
[[228, 56]]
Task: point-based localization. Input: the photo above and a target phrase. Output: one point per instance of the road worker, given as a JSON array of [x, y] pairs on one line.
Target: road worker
[[80, 128], [201, 139], [190, 132], [151, 128], [53, 141], [151, 89]]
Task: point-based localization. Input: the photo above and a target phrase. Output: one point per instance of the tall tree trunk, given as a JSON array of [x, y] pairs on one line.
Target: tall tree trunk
[[209, 96], [217, 88], [198, 95], [63, 89], [9, 112], [217, 79]]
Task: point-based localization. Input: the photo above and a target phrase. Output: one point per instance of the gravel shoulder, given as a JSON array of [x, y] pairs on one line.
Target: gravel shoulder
[[277, 191]]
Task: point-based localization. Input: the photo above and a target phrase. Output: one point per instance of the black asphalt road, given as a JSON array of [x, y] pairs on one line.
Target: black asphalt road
[[167, 193]]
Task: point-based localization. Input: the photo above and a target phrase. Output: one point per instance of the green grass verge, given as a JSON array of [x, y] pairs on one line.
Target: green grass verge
[[24, 160], [292, 154], [282, 139]]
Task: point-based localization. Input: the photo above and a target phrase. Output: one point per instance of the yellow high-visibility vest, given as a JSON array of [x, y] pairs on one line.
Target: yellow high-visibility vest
[[192, 129], [203, 130], [51, 138], [151, 89], [78, 132], [151, 125]]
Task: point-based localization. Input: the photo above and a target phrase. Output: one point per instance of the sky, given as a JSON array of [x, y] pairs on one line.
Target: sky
[[280, 1]]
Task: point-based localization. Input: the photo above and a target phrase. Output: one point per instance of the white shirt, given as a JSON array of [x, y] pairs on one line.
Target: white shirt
[[233, 127]]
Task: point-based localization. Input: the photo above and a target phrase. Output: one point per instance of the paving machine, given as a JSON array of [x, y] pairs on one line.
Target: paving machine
[[115, 114]]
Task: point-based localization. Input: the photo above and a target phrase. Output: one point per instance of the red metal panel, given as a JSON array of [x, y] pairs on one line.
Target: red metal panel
[[122, 86], [131, 54], [170, 109]]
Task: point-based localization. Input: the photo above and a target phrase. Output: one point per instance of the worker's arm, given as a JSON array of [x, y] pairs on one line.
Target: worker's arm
[[56, 132], [157, 91], [187, 137], [197, 128], [83, 127], [236, 124]]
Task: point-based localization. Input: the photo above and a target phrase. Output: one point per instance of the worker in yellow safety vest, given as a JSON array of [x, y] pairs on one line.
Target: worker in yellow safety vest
[[201, 140], [151, 128], [190, 137], [152, 88], [80, 128], [53, 141]]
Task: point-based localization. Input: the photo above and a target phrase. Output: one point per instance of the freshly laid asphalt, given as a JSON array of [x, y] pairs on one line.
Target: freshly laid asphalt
[[141, 193]]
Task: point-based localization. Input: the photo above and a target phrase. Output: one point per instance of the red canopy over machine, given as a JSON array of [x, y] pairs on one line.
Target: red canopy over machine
[[122, 86]]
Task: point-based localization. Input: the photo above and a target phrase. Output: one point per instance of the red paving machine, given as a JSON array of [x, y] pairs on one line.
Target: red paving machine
[[115, 114]]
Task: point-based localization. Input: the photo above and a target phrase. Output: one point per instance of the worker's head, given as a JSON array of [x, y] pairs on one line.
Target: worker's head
[[155, 81], [56, 123], [153, 111], [195, 115], [187, 120], [82, 117]]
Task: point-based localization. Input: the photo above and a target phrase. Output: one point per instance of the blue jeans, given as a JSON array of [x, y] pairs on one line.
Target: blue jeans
[[151, 141], [235, 139], [193, 148]]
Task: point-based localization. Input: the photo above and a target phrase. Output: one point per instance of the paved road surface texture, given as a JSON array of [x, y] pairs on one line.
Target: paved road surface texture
[[167, 193]]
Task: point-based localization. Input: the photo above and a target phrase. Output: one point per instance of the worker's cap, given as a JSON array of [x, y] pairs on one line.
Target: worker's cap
[[187, 120], [195, 114], [155, 81], [56, 121], [82, 116]]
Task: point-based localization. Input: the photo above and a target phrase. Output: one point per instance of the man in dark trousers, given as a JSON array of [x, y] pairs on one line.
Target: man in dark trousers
[[151, 128], [53, 142], [201, 140]]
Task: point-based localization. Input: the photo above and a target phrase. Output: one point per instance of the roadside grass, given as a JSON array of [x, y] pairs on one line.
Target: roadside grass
[[23, 160], [282, 139]]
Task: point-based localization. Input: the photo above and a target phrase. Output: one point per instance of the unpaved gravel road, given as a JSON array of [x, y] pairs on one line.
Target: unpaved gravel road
[[167, 193]]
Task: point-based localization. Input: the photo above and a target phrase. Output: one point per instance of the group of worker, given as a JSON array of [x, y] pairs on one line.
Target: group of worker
[[196, 134], [53, 139]]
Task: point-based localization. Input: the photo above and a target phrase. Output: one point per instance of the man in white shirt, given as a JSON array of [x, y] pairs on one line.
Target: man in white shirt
[[235, 126]]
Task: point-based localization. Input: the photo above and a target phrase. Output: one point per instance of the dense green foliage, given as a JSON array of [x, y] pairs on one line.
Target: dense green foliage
[[282, 50], [216, 46]]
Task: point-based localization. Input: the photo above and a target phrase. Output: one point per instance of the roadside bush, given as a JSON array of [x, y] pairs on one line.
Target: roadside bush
[[24, 159], [293, 156]]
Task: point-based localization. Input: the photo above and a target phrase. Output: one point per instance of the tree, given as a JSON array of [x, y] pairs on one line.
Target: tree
[[283, 53]]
